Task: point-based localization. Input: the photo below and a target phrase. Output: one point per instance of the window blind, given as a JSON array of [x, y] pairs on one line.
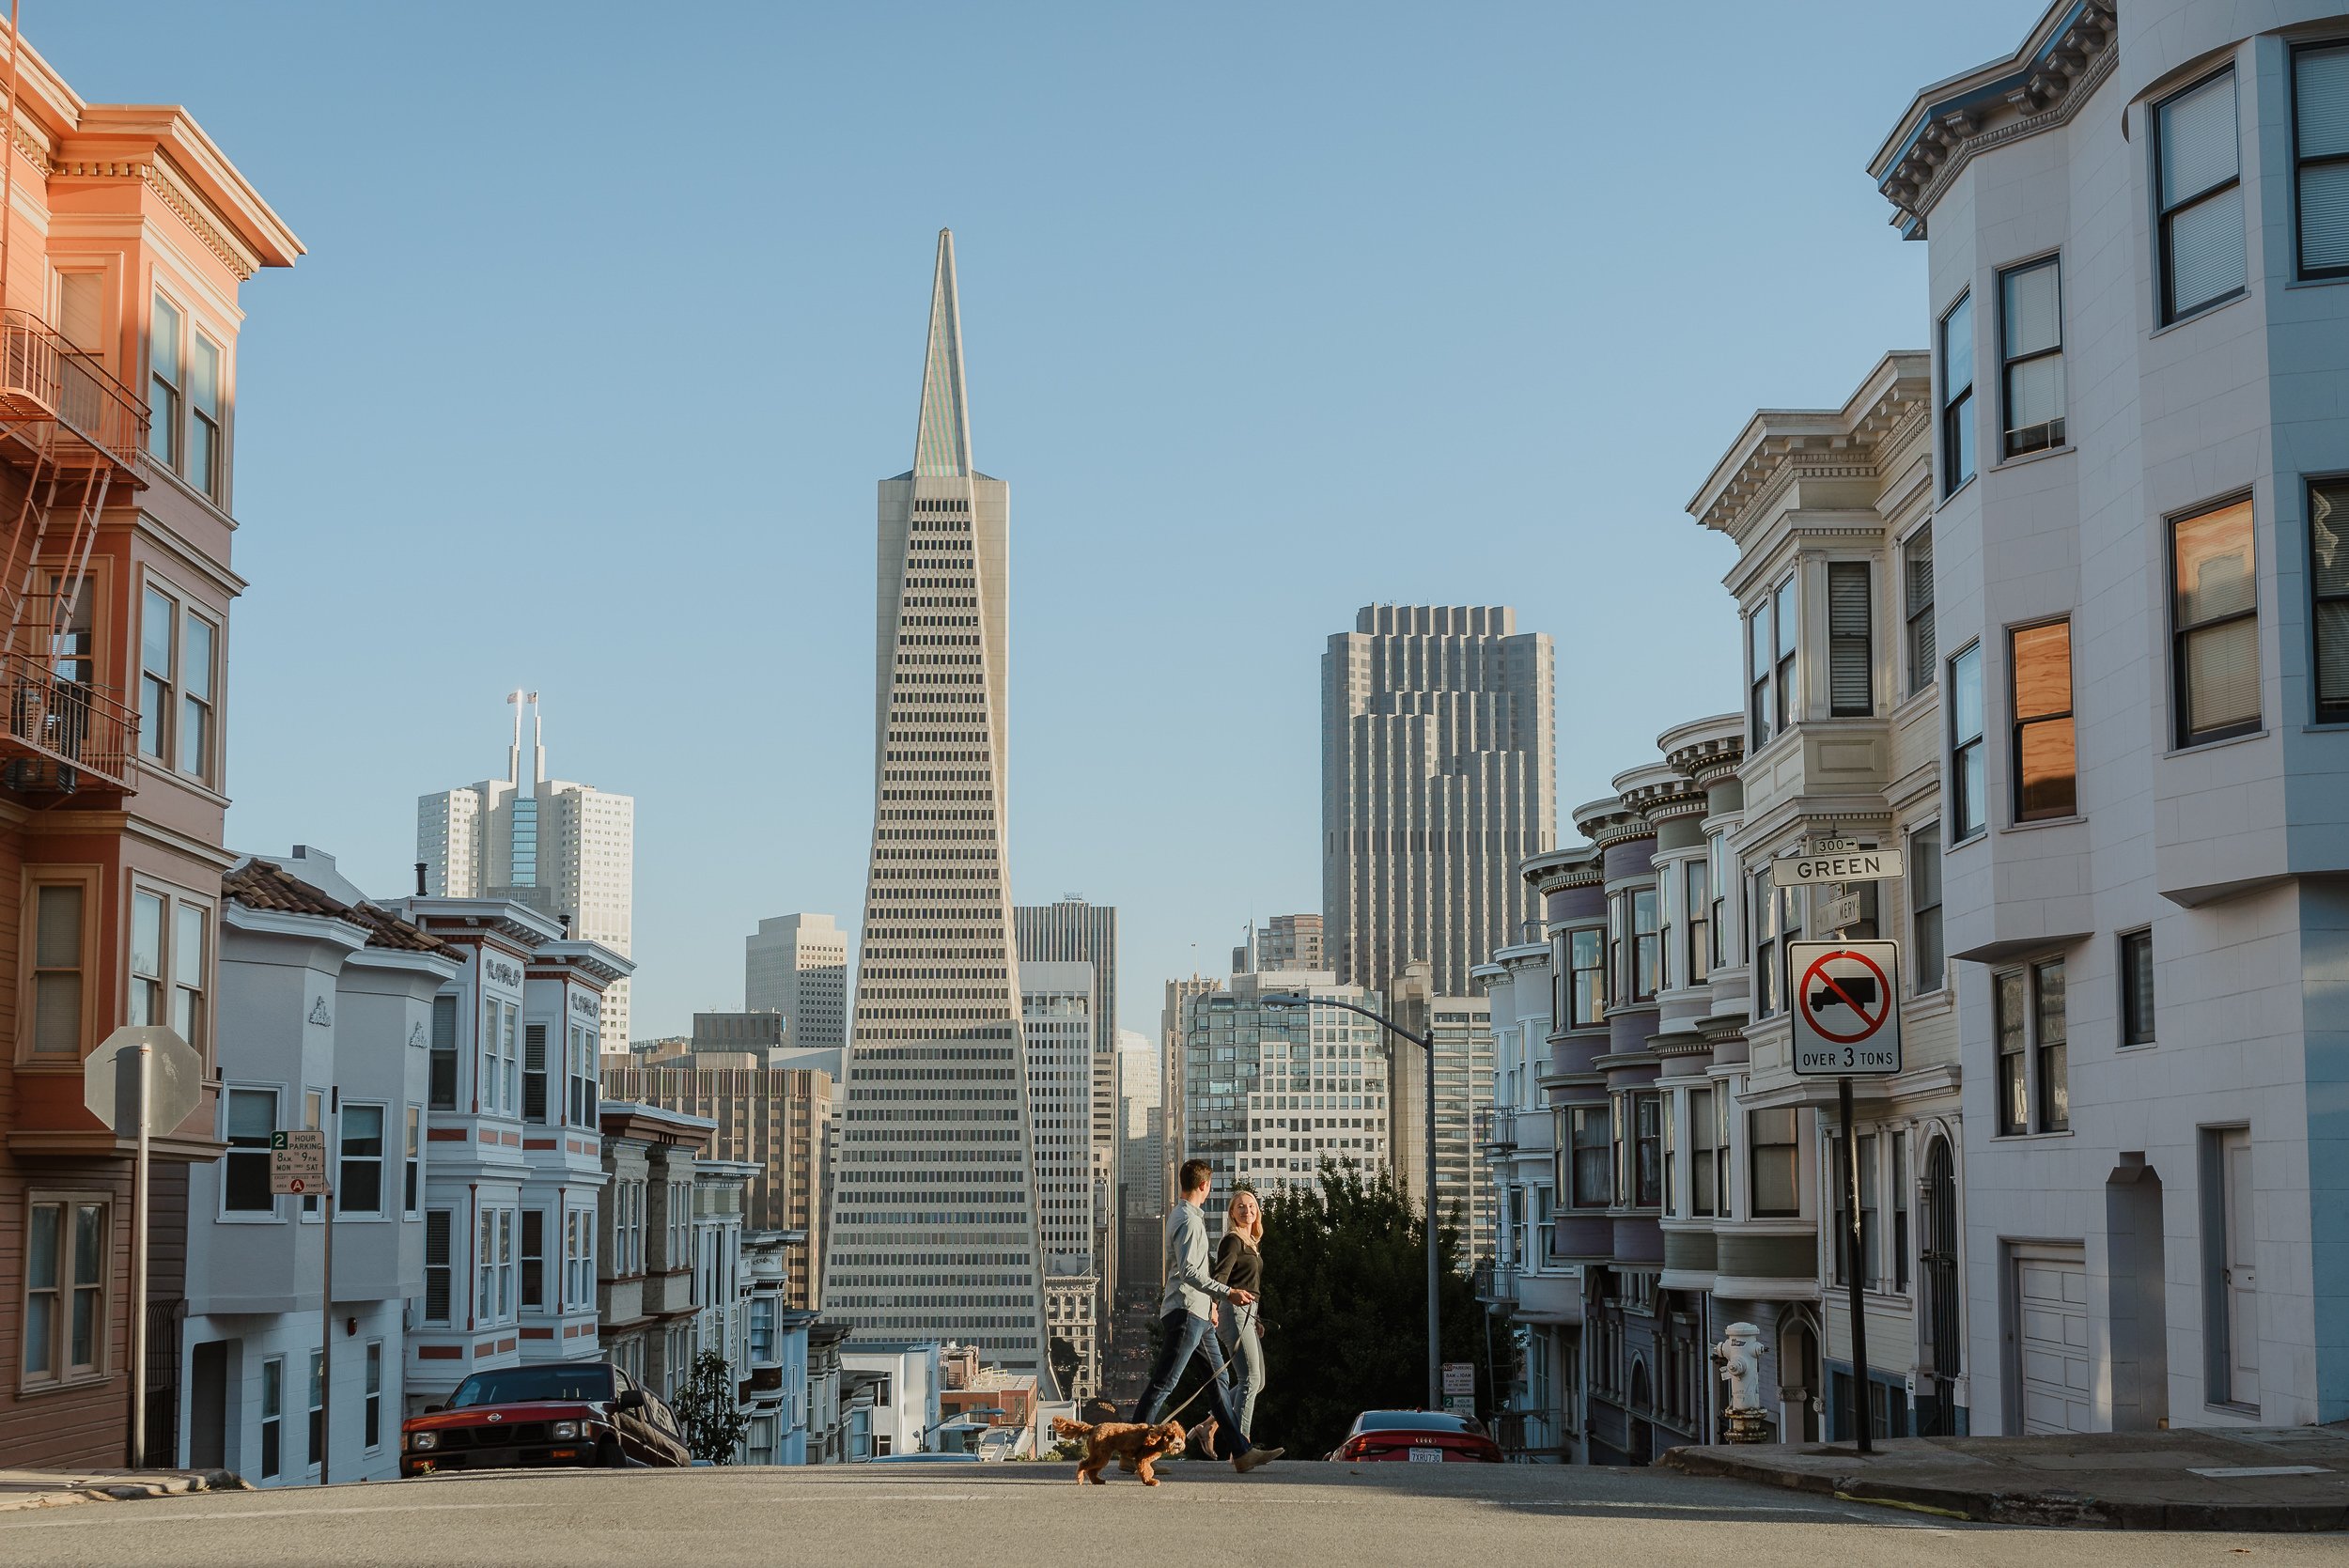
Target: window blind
[[534, 1072], [1921, 656], [436, 1266], [1849, 688], [2321, 110]]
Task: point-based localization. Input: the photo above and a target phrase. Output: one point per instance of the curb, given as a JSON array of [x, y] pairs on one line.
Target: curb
[[2054, 1507], [178, 1484]]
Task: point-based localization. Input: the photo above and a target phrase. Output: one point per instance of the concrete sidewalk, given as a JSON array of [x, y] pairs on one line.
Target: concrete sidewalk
[[52, 1488], [2265, 1478]]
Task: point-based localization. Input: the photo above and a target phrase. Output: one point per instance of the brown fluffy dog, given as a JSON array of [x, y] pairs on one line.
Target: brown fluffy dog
[[1135, 1446]]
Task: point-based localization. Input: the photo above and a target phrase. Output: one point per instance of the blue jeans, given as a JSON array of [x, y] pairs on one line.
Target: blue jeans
[[1183, 1336]]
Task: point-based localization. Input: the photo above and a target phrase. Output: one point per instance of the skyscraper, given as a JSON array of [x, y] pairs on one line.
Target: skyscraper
[[1438, 774], [1283, 942], [798, 965], [1075, 932], [1056, 1003], [934, 1231], [566, 849]]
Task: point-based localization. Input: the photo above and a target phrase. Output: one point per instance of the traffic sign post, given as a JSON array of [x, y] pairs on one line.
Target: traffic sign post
[[297, 1168], [140, 1078], [1847, 1022]]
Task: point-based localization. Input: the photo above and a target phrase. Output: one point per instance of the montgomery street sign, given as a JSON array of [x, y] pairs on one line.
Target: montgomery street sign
[[1854, 865], [1846, 1008], [297, 1162]]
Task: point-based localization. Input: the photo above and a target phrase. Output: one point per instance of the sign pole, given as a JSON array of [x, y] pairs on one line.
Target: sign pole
[[138, 1261], [1853, 1262], [325, 1306]]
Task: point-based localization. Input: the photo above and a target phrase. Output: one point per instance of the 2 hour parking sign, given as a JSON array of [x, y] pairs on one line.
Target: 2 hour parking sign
[[1847, 1007]]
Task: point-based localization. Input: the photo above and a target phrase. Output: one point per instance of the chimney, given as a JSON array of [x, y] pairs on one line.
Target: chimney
[[420, 879]]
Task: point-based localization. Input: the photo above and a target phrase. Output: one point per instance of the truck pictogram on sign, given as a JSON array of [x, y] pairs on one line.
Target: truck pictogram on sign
[[1847, 1012]]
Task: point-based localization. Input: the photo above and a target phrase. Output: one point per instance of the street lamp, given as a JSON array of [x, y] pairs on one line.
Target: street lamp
[[1435, 1311]]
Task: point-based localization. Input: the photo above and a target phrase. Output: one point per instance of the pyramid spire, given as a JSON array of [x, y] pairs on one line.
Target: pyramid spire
[[941, 448]]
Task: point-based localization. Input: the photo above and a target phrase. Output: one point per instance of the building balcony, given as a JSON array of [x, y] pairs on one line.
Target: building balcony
[[62, 737], [1495, 1283], [1495, 1128], [57, 402]]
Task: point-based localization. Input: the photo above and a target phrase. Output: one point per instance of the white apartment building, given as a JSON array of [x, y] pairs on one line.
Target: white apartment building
[[1073, 931], [798, 965], [2138, 322], [324, 1008], [1141, 1127], [567, 849], [1056, 1004], [889, 1395]]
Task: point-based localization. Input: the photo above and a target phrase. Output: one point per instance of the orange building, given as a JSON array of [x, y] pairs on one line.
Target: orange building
[[127, 239]]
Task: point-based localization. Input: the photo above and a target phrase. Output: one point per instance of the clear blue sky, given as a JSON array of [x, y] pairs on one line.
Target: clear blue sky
[[612, 315]]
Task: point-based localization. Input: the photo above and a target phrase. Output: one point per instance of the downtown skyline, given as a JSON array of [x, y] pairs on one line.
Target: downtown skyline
[[1112, 334]]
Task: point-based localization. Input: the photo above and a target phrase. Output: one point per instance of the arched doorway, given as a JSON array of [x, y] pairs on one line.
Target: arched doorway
[[1799, 1381], [1643, 1439], [1944, 1335]]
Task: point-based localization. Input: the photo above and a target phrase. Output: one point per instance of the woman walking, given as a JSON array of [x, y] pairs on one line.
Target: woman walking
[[1240, 1264]]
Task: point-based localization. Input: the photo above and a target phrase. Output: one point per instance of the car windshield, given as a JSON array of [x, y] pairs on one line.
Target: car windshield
[[1416, 1420], [523, 1384]]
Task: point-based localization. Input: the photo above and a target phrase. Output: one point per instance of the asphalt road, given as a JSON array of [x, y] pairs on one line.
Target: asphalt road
[[1491, 1516]]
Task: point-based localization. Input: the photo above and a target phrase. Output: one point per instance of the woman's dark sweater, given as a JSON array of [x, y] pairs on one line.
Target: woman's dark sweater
[[1239, 1265]]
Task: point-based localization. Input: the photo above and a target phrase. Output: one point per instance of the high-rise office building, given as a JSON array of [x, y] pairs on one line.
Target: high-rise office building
[[1438, 774], [798, 965], [934, 1232], [1075, 932], [1462, 1028], [1056, 1006], [566, 849], [1283, 942], [1173, 1023], [1141, 1127]]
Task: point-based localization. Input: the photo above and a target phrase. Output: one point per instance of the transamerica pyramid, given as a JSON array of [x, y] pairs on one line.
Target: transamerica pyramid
[[934, 1231]]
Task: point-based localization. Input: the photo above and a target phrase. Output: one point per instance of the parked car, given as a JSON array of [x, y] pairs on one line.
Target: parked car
[[1420, 1437], [564, 1413], [929, 1458]]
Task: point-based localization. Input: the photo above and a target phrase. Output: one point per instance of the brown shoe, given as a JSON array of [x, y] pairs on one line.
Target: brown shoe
[[1254, 1457], [1199, 1442]]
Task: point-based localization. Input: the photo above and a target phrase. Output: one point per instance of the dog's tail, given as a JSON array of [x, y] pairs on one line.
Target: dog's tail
[[1063, 1428]]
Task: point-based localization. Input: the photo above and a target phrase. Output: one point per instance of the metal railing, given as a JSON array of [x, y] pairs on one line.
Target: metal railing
[[1496, 1127], [1528, 1434], [42, 377], [1495, 1281], [62, 733]]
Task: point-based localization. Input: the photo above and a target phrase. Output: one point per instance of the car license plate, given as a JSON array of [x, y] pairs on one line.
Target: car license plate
[[1428, 1454]]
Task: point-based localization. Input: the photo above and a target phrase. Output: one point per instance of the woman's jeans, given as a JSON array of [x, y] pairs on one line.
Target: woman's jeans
[[1243, 1354]]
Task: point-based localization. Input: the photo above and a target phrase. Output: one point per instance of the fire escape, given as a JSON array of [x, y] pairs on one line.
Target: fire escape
[[70, 433]]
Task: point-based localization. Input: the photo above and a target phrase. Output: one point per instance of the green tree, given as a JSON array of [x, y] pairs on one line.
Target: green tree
[[714, 1423], [1345, 1308]]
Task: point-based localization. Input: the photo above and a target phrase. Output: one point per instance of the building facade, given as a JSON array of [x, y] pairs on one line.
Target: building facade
[[1073, 931], [1056, 1003], [1438, 774], [567, 850], [1461, 1029], [131, 237], [1282, 943], [2138, 576], [934, 1228], [646, 1284], [798, 965]]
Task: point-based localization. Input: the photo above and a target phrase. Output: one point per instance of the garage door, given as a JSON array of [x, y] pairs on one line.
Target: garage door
[[2051, 1308]]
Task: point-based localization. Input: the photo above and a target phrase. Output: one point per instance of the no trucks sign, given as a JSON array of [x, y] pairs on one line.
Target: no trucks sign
[[1846, 1006]]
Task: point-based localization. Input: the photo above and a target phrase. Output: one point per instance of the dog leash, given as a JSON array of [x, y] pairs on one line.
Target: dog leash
[[1222, 1371]]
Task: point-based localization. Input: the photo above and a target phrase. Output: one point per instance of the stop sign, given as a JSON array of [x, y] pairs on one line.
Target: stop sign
[[110, 1079]]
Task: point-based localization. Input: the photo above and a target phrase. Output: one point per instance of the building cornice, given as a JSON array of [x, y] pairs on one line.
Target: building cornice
[[1608, 822], [1707, 750], [1556, 870], [2041, 85], [1780, 447]]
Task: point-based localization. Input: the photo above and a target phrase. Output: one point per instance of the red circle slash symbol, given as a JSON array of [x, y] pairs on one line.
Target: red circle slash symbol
[[1807, 999]]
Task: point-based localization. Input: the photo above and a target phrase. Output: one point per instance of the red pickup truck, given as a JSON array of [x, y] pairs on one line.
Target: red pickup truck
[[583, 1413]]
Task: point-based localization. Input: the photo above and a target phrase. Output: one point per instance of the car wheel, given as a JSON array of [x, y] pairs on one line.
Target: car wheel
[[610, 1456]]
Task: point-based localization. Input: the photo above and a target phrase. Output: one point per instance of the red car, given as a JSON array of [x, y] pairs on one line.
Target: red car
[[567, 1413], [1419, 1437]]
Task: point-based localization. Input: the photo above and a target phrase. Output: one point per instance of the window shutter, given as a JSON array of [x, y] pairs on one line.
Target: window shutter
[[1850, 691], [444, 1082], [436, 1266], [534, 1072], [2320, 96]]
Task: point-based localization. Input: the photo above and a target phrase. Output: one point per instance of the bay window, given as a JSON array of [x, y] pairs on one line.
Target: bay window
[[2328, 584], [1969, 803], [2319, 155], [2214, 663], [2030, 311], [2046, 773], [1776, 1160], [2197, 156], [1957, 395]]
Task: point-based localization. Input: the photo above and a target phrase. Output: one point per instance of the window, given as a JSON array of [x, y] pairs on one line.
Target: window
[[1850, 677], [1760, 713], [1783, 613], [1720, 1149], [2197, 152], [2033, 1087], [2136, 988], [158, 641], [582, 1085], [2052, 1084], [68, 1244], [1722, 880], [272, 1417], [501, 1062], [1665, 1110], [165, 378], [2013, 1086], [2215, 661], [442, 1092], [494, 1267], [2328, 581], [578, 1254], [1900, 1210], [1699, 923], [438, 1230], [2320, 151], [2030, 320], [1766, 979], [1839, 1206], [1928, 969], [534, 1259], [1703, 1189], [2046, 775], [252, 1116], [1593, 1180], [411, 1190], [59, 911], [1776, 1156], [1871, 1214], [1968, 809], [371, 1417], [359, 1175], [1647, 953], [1957, 395], [146, 958], [318, 1405], [1917, 561], [534, 1072], [169, 938], [1590, 979], [195, 697], [313, 1110], [190, 933], [204, 414], [1647, 1146], [762, 1329]]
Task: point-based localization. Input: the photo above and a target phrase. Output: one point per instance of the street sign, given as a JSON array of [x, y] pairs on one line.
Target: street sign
[[1459, 1380], [297, 1162], [110, 1079], [1461, 1406], [1836, 914], [1856, 865], [1830, 846], [1846, 1006]]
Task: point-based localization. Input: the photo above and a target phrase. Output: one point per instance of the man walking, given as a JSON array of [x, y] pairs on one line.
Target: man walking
[[1184, 1318]]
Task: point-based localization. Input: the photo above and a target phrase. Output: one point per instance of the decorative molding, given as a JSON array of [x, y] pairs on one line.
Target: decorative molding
[[159, 177], [318, 1014], [417, 1039]]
